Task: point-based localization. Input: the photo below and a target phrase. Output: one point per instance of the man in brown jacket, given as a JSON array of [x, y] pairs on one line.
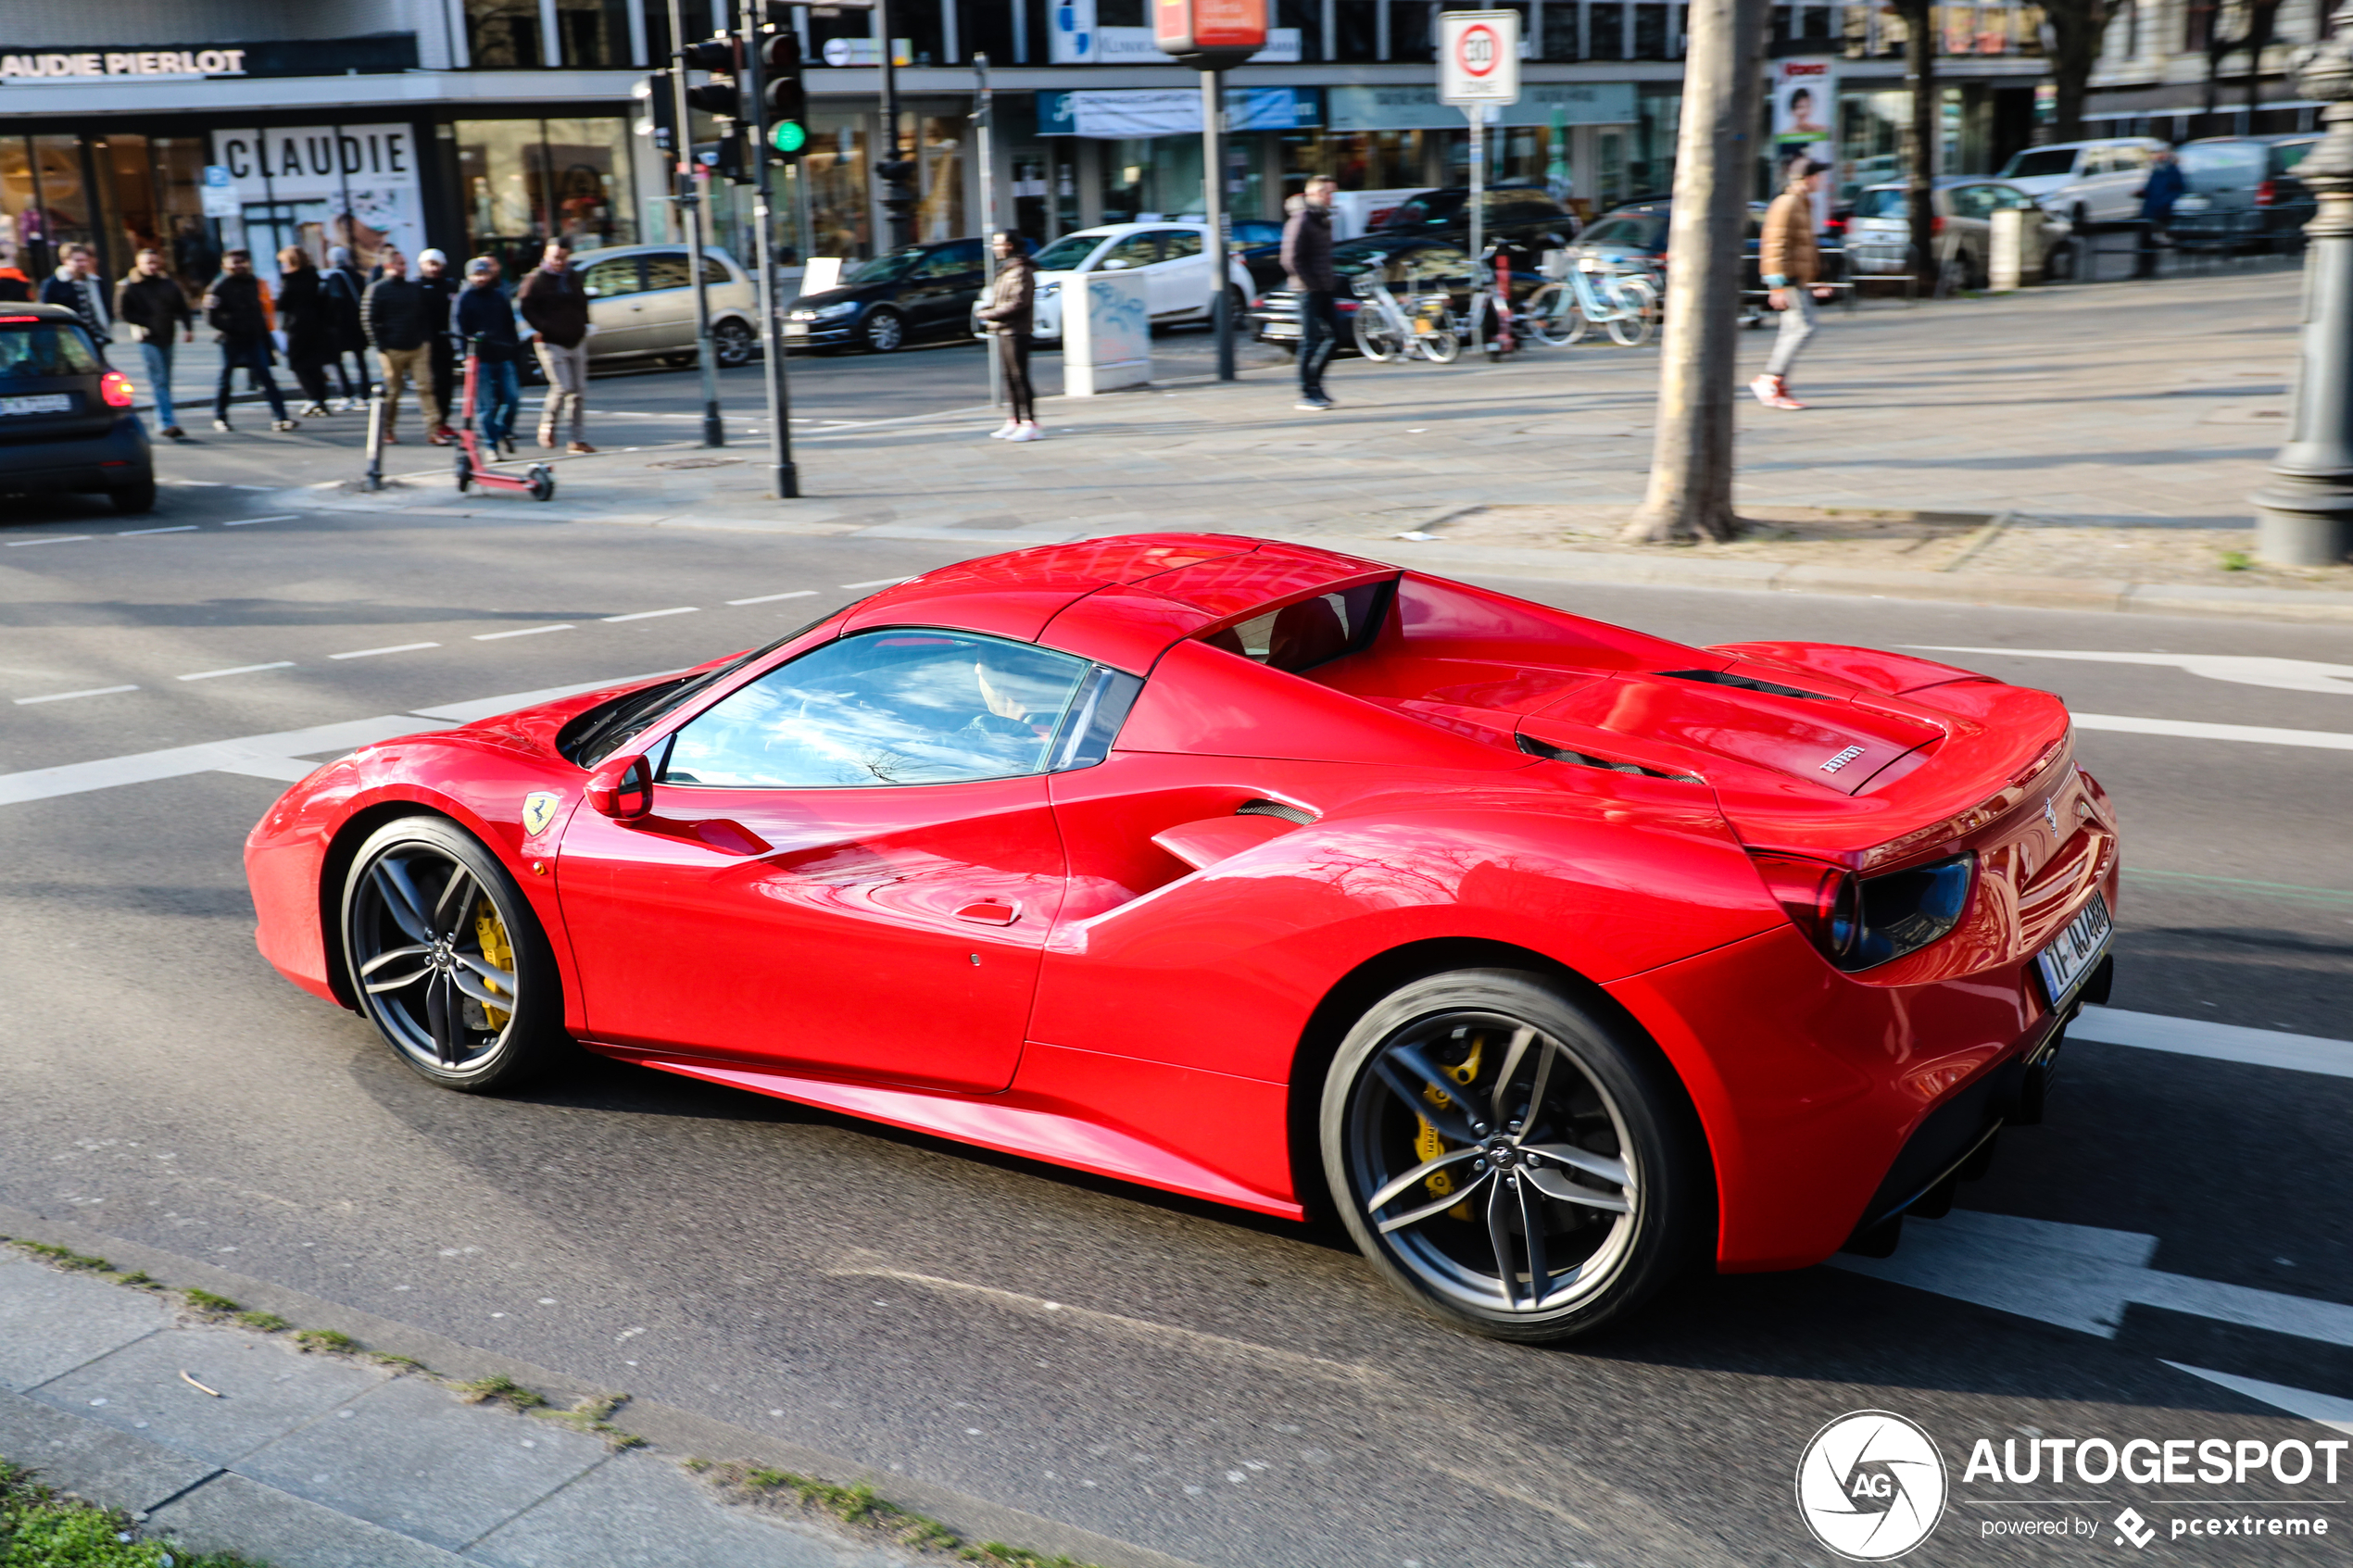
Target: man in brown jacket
[[554, 303], [1790, 265]]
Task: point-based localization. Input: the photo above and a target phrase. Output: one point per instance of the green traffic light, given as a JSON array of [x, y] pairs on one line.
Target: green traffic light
[[788, 137]]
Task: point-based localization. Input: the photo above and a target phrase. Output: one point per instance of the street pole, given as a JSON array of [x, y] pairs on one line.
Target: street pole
[[1213, 185], [982, 106], [690, 202], [753, 91], [897, 206], [2304, 517], [1478, 113]]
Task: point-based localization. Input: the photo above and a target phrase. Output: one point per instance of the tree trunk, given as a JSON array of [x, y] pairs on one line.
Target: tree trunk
[[2077, 29], [1691, 484], [2260, 22], [1919, 136]]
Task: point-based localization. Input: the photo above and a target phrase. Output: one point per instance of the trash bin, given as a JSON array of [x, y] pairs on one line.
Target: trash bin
[[2006, 260], [1108, 344]]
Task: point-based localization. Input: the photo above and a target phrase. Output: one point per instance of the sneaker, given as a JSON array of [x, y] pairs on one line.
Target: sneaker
[[1773, 392], [1028, 432], [391, 440], [222, 426], [1316, 405], [284, 424], [173, 433], [1004, 431], [547, 441], [581, 449], [440, 435], [314, 410]]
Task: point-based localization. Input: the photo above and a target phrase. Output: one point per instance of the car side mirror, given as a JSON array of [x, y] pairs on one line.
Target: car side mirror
[[623, 789], [591, 290], [1114, 265]]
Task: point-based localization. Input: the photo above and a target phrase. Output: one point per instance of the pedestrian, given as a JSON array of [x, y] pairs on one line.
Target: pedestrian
[[344, 288], [152, 310], [306, 327], [2165, 185], [398, 315], [1307, 258], [238, 306], [1010, 312], [1790, 260], [77, 286], [15, 287], [485, 322], [441, 288], [555, 303]]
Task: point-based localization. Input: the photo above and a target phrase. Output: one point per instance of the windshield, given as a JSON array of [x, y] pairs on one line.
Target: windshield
[[1635, 232], [1066, 254], [1431, 206], [47, 348], [2036, 163], [1888, 203], [887, 268], [2224, 163]]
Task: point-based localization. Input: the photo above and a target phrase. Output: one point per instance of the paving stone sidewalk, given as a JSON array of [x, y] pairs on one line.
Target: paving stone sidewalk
[[2088, 448]]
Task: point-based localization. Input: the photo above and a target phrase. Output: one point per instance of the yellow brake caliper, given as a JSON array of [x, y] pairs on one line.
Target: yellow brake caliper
[[1427, 1142], [492, 934]]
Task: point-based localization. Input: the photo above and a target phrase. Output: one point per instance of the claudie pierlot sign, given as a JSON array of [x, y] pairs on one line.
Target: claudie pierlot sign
[[55, 65], [69, 65]]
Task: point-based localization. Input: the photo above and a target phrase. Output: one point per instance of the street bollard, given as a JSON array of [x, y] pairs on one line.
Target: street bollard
[[375, 480]]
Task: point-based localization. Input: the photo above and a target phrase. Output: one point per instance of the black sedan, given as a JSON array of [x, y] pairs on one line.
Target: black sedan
[[65, 419], [918, 290], [1405, 263], [1523, 220]]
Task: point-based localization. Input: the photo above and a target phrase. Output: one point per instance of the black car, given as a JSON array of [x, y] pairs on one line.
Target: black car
[[915, 292], [1523, 220], [1258, 245], [1634, 236], [2243, 192], [1405, 262], [65, 419]]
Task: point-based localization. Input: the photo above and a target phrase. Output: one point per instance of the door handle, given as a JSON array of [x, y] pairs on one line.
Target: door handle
[[989, 912]]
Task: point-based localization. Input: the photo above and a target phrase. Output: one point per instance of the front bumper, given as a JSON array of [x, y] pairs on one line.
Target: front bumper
[[116, 460], [819, 335]]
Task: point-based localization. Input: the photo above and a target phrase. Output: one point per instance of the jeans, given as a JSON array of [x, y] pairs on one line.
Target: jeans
[[1318, 339], [253, 354], [497, 393], [351, 387], [158, 359], [401, 367], [567, 371], [1797, 325]]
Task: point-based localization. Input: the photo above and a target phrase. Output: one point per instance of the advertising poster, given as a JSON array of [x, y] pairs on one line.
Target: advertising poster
[[318, 186], [1805, 117]]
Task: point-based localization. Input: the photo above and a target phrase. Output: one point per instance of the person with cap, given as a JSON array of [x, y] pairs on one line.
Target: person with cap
[[1009, 312], [484, 320], [555, 305], [1789, 259], [440, 286], [344, 288]]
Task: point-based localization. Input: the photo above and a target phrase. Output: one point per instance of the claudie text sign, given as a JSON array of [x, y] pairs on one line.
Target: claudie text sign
[[80, 64]]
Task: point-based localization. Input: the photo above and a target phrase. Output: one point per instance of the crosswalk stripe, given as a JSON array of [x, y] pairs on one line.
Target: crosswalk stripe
[[2188, 729], [2218, 1042]]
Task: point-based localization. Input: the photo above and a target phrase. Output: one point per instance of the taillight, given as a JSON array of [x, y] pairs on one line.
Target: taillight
[[1860, 923], [1819, 897], [1259, 304], [2267, 192], [1936, 225], [115, 387]]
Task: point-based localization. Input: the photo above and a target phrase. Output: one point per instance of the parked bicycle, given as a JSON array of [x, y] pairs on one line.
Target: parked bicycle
[[1590, 292], [1388, 329]]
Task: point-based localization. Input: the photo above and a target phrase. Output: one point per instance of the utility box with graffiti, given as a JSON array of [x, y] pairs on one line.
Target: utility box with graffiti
[[1107, 342]]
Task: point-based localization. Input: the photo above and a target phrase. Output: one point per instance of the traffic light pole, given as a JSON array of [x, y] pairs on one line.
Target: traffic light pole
[[980, 117], [898, 201], [714, 432], [772, 336], [1213, 185]]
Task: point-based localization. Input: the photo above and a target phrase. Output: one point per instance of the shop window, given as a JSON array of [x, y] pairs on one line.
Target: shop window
[[587, 193], [1650, 34], [1355, 30], [1413, 34], [594, 33], [503, 34], [1606, 32], [986, 27], [1559, 40], [923, 25], [1307, 16], [840, 223], [523, 180], [940, 211]]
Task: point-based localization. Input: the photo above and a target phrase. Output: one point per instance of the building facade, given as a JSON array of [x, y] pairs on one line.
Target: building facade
[[2178, 69]]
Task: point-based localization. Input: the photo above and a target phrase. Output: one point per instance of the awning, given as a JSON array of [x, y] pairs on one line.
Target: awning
[[1110, 113], [1540, 103]]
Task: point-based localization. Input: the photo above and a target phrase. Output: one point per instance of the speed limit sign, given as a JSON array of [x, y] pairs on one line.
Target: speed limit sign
[[1478, 56]]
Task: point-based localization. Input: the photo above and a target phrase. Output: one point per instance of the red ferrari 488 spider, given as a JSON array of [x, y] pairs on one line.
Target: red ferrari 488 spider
[[1552, 958]]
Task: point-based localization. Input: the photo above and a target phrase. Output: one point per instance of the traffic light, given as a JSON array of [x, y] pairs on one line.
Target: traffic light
[[785, 97], [662, 114], [717, 55]]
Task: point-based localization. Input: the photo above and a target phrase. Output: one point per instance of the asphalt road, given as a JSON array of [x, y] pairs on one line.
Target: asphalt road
[[1221, 1389]]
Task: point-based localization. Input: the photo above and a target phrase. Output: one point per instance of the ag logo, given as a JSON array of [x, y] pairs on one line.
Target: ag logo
[[538, 811], [1870, 1486]]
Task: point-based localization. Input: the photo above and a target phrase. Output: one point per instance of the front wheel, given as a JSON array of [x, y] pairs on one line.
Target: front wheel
[[1376, 340], [543, 483], [1511, 1163], [465, 469], [1636, 321], [1442, 345], [883, 332], [1552, 316], [732, 343]]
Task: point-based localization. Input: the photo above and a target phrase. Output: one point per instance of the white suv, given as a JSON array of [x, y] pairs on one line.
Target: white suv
[[2086, 182], [1173, 257]]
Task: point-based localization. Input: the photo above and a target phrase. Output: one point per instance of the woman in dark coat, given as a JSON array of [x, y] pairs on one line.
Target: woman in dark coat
[[1008, 309], [309, 325]]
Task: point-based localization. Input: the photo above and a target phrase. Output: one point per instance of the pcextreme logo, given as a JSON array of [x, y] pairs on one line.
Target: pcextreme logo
[[1870, 1486]]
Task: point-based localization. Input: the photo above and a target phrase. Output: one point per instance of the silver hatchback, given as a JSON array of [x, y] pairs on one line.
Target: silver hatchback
[[641, 300]]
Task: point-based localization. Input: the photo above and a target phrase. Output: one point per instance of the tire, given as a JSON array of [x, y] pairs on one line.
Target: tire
[[883, 332], [1542, 323], [422, 891], [465, 471], [1633, 329], [732, 343], [1442, 346], [1375, 342], [1618, 1174], [543, 483], [134, 498]]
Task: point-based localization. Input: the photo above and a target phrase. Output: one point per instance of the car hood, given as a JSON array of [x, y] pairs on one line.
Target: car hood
[[824, 298]]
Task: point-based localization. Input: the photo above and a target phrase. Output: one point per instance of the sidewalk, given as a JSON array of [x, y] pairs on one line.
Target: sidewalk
[[2089, 448], [219, 1428]]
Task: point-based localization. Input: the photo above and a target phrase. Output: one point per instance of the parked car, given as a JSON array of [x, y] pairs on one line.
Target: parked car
[[2085, 182], [641, 300], [1171, 255], [1524, 220], [1879, 235], [65, 419], [1259, 242], [915, 292], [1406, 262], [2244, 193], [1633, 237]]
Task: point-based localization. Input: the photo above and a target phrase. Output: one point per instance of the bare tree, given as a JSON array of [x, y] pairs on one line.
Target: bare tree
[[1919, 135], [1691, 484], [2258, 21], [2078, 29]]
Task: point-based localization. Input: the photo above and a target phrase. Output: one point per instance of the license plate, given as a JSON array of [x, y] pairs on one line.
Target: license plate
[[2071, 955], [46, 403], [795, 329]]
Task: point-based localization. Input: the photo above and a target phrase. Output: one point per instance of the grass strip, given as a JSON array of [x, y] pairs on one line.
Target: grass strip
[[41, 1527], [859, 1506]]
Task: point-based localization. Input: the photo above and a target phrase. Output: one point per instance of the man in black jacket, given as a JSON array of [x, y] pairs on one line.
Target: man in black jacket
[[78, 287], [397, 317], [238, 306], [440, 286], [1307, 257], [484, 320], [151, 310]]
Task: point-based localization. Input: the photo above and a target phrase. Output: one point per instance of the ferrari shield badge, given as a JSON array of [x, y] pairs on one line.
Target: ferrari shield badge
[[538, 811]]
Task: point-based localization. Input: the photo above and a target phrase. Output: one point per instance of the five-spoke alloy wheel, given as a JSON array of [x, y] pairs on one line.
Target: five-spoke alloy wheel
[[446, 958], [1507, 1158]]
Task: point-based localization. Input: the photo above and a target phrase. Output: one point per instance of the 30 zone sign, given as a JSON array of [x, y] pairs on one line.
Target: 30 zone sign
[[1478, 56]]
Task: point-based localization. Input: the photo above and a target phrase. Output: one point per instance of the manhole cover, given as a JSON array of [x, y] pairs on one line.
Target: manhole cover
[[695, 463]]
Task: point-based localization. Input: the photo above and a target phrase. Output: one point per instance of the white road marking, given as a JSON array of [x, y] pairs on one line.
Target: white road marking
[[649, 614], [257, 486], [49, 539], [2185, 729], [249, 521], [772, 598], [880, 582], [520, 631], [2326, 1408], [134, 533], [62, 696], [2220, 1042], [397, 647], [2080, 1277], [240, 669], [2246, 670]]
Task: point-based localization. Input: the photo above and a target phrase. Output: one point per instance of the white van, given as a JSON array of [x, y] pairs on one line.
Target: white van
[[2086, 182]]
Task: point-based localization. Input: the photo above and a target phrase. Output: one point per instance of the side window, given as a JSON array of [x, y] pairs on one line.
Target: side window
[[1136, 250], [885, 707], [1973, 201], [1175, 243], [1300, 636], [943, 263], [715, 271], [667, 269], [607, 279]]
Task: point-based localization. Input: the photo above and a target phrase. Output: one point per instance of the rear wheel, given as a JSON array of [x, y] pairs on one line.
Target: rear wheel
[[1376, 340], [134, 498], [1552, 316], [447, 959], [1509, 1160], [732, 343], [1632, 329]]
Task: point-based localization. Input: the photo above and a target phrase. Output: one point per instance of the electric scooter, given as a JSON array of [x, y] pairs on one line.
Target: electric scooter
[[538, 481]]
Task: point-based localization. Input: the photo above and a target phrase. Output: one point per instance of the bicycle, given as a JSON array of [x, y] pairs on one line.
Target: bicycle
[[1391, 333], [1591, 291]]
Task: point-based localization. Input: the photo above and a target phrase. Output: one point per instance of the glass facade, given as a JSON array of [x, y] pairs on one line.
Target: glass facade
[[520, 180], [118, 194]]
